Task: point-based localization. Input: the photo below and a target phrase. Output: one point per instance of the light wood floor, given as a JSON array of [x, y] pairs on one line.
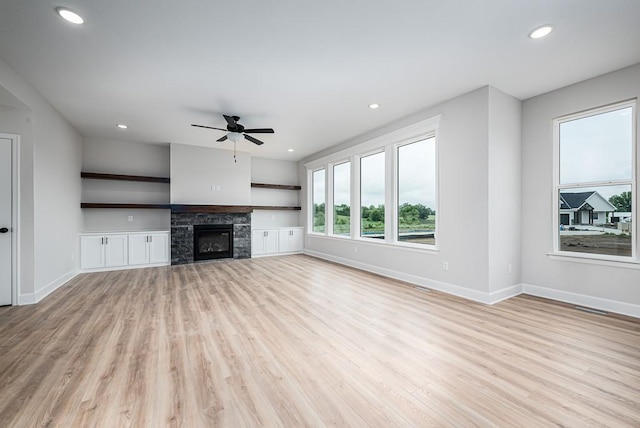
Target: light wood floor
[[294, 341]]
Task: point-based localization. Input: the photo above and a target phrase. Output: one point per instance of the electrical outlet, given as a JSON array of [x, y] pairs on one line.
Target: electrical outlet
[[130, 218], [217, 188], [445, 265], [509, 268]]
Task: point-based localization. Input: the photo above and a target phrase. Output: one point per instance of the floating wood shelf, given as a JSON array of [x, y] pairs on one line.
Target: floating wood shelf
[[212, 208], [120, 177], [126, 206], [276, 186], [263, 207], [191, 208]]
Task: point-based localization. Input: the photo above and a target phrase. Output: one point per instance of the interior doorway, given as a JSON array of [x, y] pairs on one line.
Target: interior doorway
[[8, 219]]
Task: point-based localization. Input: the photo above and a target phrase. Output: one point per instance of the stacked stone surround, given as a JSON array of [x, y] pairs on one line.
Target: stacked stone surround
[[182, 233]]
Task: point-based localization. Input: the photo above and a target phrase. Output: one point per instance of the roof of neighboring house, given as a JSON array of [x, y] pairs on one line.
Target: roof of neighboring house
[[569, 201], [574, 200]]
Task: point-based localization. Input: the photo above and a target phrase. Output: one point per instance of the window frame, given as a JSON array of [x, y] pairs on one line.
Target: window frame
[[358, 232], [311, 214], [388, 144], [333, 194], [632, 181], [396, 194]]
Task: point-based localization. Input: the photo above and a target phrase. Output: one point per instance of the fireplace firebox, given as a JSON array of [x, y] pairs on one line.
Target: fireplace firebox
[[212, 241]]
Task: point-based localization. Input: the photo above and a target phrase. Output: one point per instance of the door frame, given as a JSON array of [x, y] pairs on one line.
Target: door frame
[[15, 216]]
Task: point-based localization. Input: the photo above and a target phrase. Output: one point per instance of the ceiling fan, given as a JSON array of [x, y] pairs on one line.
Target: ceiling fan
[[235, 130]]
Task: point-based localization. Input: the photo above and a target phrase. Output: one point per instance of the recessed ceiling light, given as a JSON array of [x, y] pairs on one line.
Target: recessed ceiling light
[[69, 15], [540, 32], [122, 126], [289, 150], [374, 106]]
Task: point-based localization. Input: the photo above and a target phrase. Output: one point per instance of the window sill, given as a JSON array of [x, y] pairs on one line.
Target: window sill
[[612, 261]]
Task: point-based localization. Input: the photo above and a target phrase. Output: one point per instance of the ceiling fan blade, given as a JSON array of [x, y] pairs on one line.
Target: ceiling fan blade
[[208, 127], [259, 131], [253, 140], [224, 137]]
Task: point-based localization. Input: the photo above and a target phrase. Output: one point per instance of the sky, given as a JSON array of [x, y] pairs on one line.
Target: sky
[[597, 148], [416, 177]]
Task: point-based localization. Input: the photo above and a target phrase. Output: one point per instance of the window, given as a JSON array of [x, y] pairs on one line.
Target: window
[[383, 191], [595, 181], [319, 201], [342, 199], [416, 215], [372, 194]]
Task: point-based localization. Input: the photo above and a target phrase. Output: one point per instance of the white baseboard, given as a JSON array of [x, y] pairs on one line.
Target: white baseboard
[[109, 269], [32, 298], [456, 290], [600, 303]]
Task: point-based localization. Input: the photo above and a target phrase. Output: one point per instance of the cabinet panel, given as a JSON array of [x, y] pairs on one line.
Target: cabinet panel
[[291, 240], [271, 242], [264, 241], [159, 247], [91, 252], [138, 249], [116, 250], [257, 242], [296, 240]]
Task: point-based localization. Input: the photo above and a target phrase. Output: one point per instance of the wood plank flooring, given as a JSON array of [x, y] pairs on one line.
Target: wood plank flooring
[[295, 341]]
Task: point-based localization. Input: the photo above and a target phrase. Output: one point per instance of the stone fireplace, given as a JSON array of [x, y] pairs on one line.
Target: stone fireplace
[[220, 234]]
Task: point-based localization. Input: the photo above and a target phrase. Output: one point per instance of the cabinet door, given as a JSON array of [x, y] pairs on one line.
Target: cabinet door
[[257, 242], [138, 249], [296, 240], [158, 247], [91, 252], [271, 242], [283, 240], [116, 250]]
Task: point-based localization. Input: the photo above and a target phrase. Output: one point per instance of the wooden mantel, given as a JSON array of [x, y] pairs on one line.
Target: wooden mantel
[[211, 208]]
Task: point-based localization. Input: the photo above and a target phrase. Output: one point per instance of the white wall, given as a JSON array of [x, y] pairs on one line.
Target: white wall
[[610, 287], [194, 170], [273, 171], [463, 161], [129, 158], [50, 160], [505, 198]]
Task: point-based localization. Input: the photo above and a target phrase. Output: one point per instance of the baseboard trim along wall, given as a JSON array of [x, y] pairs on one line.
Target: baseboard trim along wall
[[600, 303], [494, 297], [33, 298], [456, 290]]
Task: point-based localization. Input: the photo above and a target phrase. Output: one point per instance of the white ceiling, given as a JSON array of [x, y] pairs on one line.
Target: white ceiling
[[306, 68]]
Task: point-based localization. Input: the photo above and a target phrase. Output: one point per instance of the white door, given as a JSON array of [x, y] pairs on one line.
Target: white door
[[138, 249], [5, 221]]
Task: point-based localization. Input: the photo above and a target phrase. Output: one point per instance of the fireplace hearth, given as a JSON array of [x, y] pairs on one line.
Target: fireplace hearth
[[212, 242]]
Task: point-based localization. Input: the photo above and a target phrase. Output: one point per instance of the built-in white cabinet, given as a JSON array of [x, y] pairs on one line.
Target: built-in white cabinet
[[148, 248], [264, 241], [276, 241], [103, 251], [290, 240], [106, 251]]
